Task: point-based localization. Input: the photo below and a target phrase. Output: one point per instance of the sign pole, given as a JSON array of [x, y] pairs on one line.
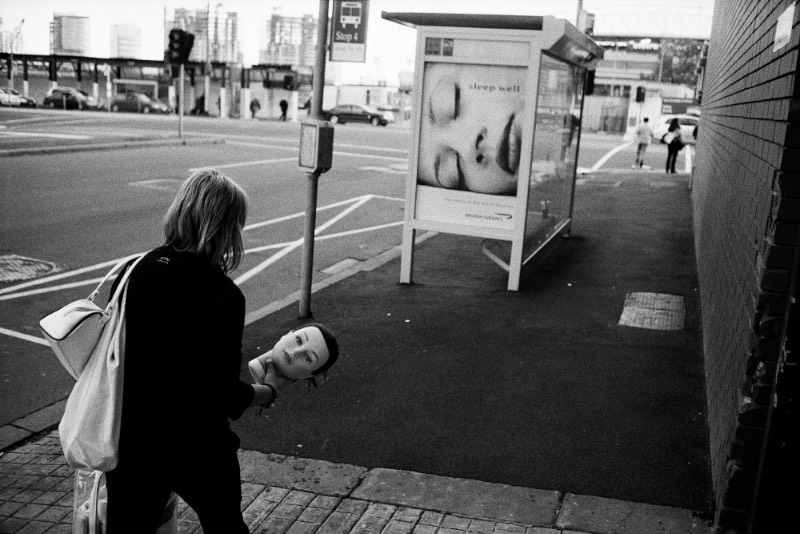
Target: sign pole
[[180, 104], [318, 87]]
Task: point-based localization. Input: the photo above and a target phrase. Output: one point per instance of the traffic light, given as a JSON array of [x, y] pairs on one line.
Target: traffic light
[[640, 94], [174, 46], [288, 83], [179, 46]]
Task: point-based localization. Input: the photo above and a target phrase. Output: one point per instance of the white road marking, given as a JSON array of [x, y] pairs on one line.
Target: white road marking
[[275, 257], [26, 337], [246, 163], [302, 213], [368, 265], [374, 156], [61, 275], [231, 139], [55, 136], [325, 237], [53, 288], [386, 170], [608, 156]]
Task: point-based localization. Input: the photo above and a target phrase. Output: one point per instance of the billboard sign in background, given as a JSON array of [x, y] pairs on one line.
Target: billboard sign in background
[[349, 30]]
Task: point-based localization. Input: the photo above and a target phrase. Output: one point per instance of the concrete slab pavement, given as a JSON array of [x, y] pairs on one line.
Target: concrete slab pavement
[[302, 496]]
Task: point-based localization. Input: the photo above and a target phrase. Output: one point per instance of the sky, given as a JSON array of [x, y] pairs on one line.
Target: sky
[[390, 46]]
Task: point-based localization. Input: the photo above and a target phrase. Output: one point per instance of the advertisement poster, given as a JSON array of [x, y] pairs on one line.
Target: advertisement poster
[[470, 135]]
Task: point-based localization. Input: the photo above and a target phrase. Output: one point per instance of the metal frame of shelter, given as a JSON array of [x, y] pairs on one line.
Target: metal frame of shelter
[[523, 45]]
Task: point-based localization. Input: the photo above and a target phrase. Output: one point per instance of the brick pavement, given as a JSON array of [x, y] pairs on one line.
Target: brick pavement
[[315, 497]]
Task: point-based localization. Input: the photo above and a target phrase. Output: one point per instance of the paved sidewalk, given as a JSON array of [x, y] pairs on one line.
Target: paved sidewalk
[[298, 496]]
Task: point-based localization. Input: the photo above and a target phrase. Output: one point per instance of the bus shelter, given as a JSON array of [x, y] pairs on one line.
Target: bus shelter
[[497, 104]]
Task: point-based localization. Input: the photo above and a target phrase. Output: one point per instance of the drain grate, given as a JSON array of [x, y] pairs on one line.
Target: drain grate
[[655, 311], [14, 268]]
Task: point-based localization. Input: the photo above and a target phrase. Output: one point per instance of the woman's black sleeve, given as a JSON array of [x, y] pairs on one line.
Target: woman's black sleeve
[[224, 337]]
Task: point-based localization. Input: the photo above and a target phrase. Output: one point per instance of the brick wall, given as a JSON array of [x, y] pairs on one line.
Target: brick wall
[[746, 196]]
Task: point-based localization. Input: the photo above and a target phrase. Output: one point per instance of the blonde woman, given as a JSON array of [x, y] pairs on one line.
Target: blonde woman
[[185, 319]]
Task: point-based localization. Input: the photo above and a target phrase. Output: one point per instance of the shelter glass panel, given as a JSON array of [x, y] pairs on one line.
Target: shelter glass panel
[[555, 149]]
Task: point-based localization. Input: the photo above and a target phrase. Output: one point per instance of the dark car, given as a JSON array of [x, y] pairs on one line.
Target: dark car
[[65, 98], [355, 113], [24, 101], [138, 102]]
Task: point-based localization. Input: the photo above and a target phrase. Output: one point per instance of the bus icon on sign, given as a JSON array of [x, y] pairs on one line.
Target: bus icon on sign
[[351, 14]]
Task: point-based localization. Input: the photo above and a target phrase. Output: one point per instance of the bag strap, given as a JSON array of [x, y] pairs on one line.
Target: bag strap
[[121, 286], [93, 503], [113, 270]]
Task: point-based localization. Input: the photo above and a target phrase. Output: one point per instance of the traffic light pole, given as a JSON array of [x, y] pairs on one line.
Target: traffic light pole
[[180, 103], [318, 85]]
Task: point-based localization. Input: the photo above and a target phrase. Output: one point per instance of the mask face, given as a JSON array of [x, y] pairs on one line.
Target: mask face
[[300, 352]]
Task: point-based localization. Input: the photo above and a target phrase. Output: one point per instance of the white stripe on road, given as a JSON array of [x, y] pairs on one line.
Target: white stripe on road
[[55, 136], [373, 156], [26, 337], [54, 288], [370, 264], [326, 237], [272, 259], [246, 163], [231, 139], [608, 156], [59, 276], [302, 213]]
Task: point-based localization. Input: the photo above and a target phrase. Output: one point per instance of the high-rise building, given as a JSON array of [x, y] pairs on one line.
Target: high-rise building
[[126, 41], [215, 34], [69, 35], [290, 41], [11, 42]]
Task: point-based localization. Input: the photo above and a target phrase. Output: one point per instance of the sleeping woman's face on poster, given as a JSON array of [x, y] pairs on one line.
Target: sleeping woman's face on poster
[[470, 134]]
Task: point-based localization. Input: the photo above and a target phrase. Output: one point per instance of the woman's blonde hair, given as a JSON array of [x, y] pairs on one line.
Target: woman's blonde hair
[[207, 217]]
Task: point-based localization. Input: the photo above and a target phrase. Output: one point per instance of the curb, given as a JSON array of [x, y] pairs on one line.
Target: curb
[[109, 146], [464, 498]]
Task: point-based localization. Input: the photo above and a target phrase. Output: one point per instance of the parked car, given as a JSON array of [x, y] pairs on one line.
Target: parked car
[[7, 98], [138, 102], [355, 113], [686, 122], [91, 102], [24, 101], [65, 98]]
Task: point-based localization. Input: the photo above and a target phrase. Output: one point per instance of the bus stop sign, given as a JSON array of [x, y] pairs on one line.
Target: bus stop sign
[[349, 30]]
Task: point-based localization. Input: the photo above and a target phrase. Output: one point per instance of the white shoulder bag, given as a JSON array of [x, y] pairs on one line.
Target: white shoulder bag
[[89, 429], [74, 330]]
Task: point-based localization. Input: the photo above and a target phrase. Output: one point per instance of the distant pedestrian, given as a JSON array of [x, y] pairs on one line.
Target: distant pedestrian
[[284, 107], [644, 133], [674, 144], [255, 105], [183, 342]]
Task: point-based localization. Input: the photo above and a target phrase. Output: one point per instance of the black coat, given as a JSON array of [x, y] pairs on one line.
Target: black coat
[[184, 324]]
